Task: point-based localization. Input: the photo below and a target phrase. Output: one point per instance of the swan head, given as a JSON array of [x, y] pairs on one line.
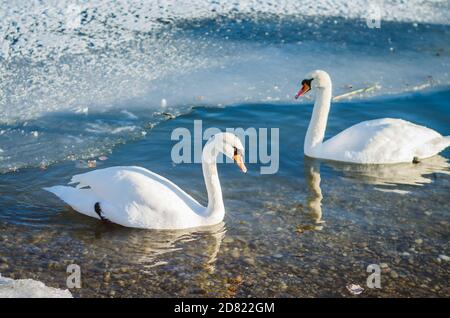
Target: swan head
[[231, 146], [316, 79]]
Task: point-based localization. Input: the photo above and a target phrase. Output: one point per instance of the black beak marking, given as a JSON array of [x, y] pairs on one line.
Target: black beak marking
[[307, 82]]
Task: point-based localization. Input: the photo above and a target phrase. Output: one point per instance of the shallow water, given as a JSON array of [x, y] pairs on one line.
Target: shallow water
[[309, 230]]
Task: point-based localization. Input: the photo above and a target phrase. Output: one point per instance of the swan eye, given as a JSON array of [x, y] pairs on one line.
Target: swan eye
[[237, 152], [307, 82]]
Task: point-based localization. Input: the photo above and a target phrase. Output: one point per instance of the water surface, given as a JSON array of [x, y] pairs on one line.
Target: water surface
[[308, 230]]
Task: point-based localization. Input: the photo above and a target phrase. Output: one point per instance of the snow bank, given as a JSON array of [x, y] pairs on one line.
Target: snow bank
[[29, 288]]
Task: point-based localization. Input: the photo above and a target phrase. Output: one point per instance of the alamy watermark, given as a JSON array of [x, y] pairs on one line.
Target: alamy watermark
[[374, 279], [188, 149], [74, 278], [73, 16], [373, 17]]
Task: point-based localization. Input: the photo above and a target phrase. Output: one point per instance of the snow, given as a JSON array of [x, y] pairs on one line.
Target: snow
[[29, 288]]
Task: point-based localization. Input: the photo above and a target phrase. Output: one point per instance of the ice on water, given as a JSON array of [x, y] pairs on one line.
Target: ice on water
[[29, 288], [66, 77]]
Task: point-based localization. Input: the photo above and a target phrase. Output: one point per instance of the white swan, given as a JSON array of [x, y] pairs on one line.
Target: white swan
[[136, 197], [378, 141]]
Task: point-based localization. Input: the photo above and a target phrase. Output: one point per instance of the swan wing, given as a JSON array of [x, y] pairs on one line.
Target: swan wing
[[384, 140]]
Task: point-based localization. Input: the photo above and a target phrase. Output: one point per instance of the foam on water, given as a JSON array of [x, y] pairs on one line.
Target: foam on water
[[71, 73]]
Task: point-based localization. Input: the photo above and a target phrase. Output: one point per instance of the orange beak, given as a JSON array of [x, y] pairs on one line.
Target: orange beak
[[305, 88], [240, 162]]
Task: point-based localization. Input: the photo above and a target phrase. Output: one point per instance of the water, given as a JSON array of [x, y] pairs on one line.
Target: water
[[75, 94], [277, 230]]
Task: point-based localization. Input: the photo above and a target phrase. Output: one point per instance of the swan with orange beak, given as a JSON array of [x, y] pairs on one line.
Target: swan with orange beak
[[379, 141], [136, 197]]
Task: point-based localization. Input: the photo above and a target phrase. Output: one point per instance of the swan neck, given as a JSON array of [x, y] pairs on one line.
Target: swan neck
[[318, 124], [215, 209]]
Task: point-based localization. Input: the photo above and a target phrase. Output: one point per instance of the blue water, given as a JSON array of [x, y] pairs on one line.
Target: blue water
[[334, 218], [72, 95]]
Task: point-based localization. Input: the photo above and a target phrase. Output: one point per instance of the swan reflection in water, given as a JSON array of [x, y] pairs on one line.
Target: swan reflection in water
[[389, 177], [314, 199], [393, 175], [151, 248]]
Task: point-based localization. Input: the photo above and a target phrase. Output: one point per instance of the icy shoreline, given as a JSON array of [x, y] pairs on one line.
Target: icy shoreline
[[29, 288]]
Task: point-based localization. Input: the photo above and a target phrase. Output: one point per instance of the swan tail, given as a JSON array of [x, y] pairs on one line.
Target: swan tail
[[441, 143], [81, 200], [76, 179], [432, 147], [446, 142]]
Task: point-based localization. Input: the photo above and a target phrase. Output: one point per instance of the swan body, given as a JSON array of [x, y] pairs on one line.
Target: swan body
[[136, 197], [379, 141], [384, 140]]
